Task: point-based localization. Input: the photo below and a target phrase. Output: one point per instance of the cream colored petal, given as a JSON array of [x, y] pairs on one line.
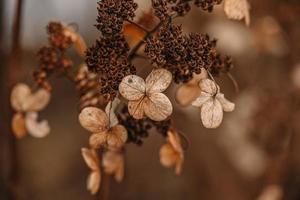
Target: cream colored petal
[[37, 101], [132, 87], [93, 119], [136, 108], [94, 181], [158, 107], [158, 80], [18, 125], [202, 98], [227, 105], [167, 155], [35, 128], [97, 140], [117, 137], [186, 94], [211, 114], [110, 111], [91, 159], [19, 95], [237, 10], [208, 86]]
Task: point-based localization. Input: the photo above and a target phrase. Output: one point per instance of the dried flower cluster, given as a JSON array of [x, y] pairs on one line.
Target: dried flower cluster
[[184, 55]]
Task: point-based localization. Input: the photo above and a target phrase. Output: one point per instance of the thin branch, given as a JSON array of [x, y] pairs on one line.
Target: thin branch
[[234, 82], [139, 26]]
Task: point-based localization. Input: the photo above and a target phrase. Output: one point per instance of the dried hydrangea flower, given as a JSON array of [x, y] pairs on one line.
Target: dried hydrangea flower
[[113, 164], [188, 92], [96, 121], [92, 161], [171, 153], [237, 9], [27, 104], [145, 97], [212, 104]]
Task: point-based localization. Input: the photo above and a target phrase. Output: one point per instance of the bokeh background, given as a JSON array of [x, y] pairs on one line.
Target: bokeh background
[[253, 155]]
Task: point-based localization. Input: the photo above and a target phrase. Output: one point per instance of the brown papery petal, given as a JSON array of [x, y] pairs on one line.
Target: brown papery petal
[[158, 107], [211, 114], [227, 105], [117, 137], [186, 94], [110, 111], [98, 139], [237, 9], [202, 98], [93, 119], [167, 155], [37, 101], [158, 81], [119, 173], [19, 95], [132, 87], [18, 125], [136, 108], [91, 159], [208, 86], [35, 128], [94, 181], [174, 140]]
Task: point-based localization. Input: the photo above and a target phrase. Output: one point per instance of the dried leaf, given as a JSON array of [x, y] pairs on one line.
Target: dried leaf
[[18, 125], [158, 81], [117, 137], [35, 128], [136, 108], [158, 107], [110, 111], [132, 87], [227, 105], [94, 181], [19, 94], [237, 10], [211, 114], [94, 120], [91, 159], [98, 139]]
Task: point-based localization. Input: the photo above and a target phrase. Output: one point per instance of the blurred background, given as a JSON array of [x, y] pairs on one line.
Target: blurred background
[[253, 155]]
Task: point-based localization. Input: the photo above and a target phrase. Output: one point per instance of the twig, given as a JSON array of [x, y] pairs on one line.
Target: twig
[[139, 26], [234, 82]]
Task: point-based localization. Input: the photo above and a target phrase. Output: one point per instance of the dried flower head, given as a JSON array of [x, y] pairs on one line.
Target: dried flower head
[[92, 161], [212, 104], [97, 122], [27, 104], [188, 92], [113, 164], [145, 97], [171, 153], [237, 9]]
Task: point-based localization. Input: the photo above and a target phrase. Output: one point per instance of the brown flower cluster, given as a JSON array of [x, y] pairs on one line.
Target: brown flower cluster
[[112, 14], [221, 64], [53, 57], [163, 9], [184, 55]]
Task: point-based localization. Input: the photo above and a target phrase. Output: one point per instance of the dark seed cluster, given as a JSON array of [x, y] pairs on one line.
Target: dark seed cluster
[[52, 57], [112, 14], [183, 55], [221, 64], [139, 129]]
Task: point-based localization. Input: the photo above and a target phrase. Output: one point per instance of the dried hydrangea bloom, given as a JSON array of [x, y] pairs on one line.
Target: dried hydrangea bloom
[[188, 92], [145, 97], [113, 164], [237, 9], [171, 153], [212, 104], [27, 104], [96, 121], [92, 161]]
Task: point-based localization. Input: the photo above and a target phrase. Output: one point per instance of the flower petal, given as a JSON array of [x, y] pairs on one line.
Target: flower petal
[[132, 87], [158, 107], [110, 111], [226, 104], [37, 101], [167, 155], [18, 125], [117, 137], [136, 108], [211, 114], [19, 94], [158, 80], [237, 9], [94, 181], [202, 98], [97, 140], [35, 128], [186, 94], [90, 157], [208, 86], [93, 119]]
